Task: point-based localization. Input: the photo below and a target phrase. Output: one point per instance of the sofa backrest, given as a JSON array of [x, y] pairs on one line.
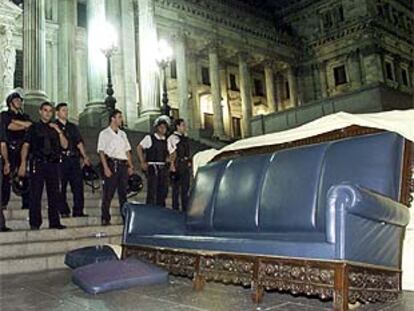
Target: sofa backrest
[[286, 191], [372, 161], [289, 195]]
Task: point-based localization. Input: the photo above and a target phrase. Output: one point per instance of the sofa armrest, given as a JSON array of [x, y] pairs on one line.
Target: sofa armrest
[[143, 219], [364, 203]]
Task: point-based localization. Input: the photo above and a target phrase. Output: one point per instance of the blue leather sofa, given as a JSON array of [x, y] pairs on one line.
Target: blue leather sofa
[[332, 202]]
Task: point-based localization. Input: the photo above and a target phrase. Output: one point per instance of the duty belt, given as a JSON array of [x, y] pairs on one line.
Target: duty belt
[[15, 145], [70, 154], [117, 163], [118, 160]]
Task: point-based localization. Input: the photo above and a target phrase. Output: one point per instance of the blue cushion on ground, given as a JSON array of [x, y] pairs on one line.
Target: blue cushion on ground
[[118, 274], [89, 255]]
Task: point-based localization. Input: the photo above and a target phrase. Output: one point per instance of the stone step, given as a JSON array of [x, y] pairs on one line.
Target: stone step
[[23, 224], [45, 235], [32, 264], [44, 262], [95, 211], [87, 196], [27, 249]]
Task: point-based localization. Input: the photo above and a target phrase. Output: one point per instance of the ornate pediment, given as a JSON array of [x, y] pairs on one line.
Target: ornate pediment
[[9, 11]]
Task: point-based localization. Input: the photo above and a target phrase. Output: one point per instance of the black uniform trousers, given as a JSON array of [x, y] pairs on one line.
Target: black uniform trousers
[[71, 173], [157, 178], [2, 218], [44, 173], [14, 159], [118, 181], [180, 186]]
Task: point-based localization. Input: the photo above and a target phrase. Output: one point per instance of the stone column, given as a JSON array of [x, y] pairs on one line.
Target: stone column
[[52, 86], [279, 92], [95, 114], [315, 75], [182, 80], [293, 90], [113, 18], [66, 53], [225, 99], [354, 69], [7, 62], [270, 86], [245, 94], [195, 101], [323, 80], [216, 92], [149, 72], [127, 39], [34, 55]]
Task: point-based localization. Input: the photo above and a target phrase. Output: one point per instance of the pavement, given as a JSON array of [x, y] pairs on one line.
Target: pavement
[[53, 290]]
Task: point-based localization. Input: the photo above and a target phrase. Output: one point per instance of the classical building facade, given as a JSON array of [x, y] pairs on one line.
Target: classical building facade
[[239, 68]]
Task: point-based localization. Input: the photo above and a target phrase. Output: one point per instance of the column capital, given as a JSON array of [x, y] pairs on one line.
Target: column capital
[[269, 63], [180, 35], [214, 44], [243, 56]]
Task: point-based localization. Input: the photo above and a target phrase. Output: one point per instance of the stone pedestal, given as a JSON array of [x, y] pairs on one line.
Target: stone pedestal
[[34, 55]]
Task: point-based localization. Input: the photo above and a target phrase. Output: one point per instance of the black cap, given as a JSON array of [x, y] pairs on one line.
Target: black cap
[[13, 96]]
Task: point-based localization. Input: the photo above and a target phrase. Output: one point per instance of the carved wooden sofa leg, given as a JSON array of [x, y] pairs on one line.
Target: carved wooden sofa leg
[[340, 297], [257, 293], [198, 282]]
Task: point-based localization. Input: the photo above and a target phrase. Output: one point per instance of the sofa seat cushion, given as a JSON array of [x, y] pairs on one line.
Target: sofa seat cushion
[[245, 245]]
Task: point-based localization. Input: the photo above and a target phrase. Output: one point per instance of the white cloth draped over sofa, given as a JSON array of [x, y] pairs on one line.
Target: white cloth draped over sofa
[[398, 121]]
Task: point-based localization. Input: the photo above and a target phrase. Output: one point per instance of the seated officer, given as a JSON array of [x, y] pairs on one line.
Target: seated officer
[[45, 140]]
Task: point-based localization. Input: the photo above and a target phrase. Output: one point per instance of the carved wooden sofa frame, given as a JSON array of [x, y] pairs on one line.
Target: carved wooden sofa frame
[[343, 281]]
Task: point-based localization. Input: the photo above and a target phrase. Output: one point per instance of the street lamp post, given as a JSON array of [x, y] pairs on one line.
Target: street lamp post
[[163, 58], [108, 49]]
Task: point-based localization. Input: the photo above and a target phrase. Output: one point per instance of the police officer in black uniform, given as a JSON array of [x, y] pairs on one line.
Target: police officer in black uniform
[[71, 171], [153, 156], [4, 170], [45, 140], [15, 124], [179, 150]]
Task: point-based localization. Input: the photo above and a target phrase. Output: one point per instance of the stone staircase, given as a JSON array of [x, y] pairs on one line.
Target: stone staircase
[[24, 250]]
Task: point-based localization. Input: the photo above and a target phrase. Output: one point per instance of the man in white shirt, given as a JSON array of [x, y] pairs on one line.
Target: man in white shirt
[[153, 154], [115, 154]]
